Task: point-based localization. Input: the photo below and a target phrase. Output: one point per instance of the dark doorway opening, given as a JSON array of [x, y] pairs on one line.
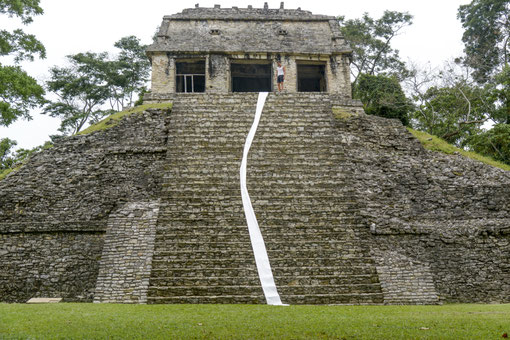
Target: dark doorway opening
[[190, 76], [251, 77], [311, 77]]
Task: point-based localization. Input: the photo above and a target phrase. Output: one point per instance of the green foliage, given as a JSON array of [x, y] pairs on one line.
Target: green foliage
[[486, 36], [124, 321], [382, 96], [81, 90], [18, 91], [494, 143], [23, 45], [6, 146], [23, 9], [18, 94], [435, 143], [453, 112], [113, 119], [131, 71], [501, 95], [94, 79], [11, 161], [371, 39]]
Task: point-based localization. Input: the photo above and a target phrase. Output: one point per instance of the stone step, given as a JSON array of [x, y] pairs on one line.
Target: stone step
[[169, 218], [224, 299], [174, 237], [236, 289], [321, 299], [206, 155], [171, 262], [253, 279], [274, 203], [257, 190], [164, 268], [273, 245], [303, 229], [275, 256], [263, 175], [306, 138], [301, 189]]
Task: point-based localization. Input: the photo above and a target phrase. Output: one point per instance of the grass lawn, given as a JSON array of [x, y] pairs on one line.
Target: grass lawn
[[109, 321]]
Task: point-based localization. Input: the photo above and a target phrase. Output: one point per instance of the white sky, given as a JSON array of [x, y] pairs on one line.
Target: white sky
[[69, 27]]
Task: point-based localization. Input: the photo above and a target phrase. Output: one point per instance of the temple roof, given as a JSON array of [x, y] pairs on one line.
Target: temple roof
[[249, 30]]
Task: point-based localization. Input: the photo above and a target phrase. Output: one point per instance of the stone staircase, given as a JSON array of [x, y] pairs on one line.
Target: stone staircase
[[307, 212]]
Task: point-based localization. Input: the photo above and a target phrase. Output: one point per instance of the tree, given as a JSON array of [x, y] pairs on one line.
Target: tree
[[94, 79], [494, 143], [81, 90], [9, 159], [449, 103], [129, 72], [18, 94], [486, 36], [371, 40], [6, 145], [383, 96], [501, 93], [18, 91]]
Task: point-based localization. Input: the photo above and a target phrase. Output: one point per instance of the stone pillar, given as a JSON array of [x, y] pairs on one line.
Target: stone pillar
[[338, 76], [217, 74], [345, 67], [163, 74], [290, 74]]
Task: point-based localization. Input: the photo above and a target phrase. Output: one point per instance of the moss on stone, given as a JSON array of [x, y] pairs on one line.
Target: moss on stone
[[114, 119], [340, 113], [434, 143]]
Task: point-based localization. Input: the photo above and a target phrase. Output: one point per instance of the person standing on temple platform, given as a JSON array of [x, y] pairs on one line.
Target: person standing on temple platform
[[280, 75]]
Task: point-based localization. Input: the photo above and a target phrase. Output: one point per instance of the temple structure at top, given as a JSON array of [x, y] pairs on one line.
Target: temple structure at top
[[222, 50]]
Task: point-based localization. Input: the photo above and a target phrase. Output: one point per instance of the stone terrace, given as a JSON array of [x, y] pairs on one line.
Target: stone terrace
[[352, 209]]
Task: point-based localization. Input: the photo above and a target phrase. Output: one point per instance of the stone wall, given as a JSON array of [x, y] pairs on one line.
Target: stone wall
[[218, 77], [217, 73], [163, 73], [338, 75], [249, 36], [49, 264], [223, 35], [446, 214], [126, 261], [54, 211]]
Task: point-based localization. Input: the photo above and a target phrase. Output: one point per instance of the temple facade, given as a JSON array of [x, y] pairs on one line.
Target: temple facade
[[223, 50]]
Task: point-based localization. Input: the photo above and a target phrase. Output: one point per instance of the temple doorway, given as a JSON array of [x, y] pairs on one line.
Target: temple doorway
[[311, 77], [251, 76], [190, 76]]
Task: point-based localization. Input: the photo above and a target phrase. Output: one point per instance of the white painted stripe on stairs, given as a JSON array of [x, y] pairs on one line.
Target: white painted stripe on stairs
[[257, 242]]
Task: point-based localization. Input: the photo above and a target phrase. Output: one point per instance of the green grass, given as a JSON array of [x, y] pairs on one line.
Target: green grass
[[5, 172], [109, 321], [114, 119], [437, 144]]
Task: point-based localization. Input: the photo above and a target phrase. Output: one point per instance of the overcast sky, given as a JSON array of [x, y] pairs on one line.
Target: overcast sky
[[69, 27]]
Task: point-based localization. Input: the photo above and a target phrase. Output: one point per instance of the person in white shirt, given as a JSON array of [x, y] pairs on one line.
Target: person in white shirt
[[280, 75]]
